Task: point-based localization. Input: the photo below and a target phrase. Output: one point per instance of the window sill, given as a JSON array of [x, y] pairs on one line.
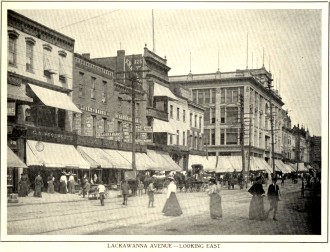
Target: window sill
[[12, 65], [30, 71]]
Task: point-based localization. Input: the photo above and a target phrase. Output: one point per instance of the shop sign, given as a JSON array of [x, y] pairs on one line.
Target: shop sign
[[119, 116], [94, 110], [50, 136], [111, 134], [11, 108]]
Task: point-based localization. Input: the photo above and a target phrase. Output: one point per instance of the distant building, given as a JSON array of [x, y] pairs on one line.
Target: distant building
[[220, 92], [315, 152]]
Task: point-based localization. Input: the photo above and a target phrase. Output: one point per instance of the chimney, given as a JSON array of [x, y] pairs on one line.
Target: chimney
[[86, 55]]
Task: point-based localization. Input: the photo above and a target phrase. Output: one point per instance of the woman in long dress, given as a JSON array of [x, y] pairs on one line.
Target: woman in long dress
[[172, 206], [215, 200], [63, 183], [50, 181], [257, 210], [38, 184]]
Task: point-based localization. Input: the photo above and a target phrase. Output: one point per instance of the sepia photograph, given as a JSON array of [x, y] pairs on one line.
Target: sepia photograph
[[169, 125]]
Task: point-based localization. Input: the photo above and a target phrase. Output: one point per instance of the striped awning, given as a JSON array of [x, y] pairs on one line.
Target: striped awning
[[163, 161], [160, 90], [13, 160], [53, 155], [208, 163], [54, 99], [17, 93]]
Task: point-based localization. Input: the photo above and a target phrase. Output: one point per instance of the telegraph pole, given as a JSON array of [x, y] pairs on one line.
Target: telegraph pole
[[271, 126], [241, 99], [133, 79]]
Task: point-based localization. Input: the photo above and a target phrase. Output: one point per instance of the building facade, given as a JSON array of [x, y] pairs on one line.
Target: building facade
[[39, 91], [237, 101]]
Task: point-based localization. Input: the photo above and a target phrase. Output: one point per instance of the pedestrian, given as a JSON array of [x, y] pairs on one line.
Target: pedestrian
[[38, 184], [101, 190], [63, 183], [24, 185], [283, 178], [215, 200], [50, 182], [85, 186], [257, 210], [172, 206], [151, 193], [125, 191], [140, 188], [71, 183], [273, 197]]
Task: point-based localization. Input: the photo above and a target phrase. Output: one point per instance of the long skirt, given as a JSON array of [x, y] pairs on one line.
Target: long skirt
[[172, 206], [151, 196], [37, 190], [257, 210], [50, 188], [215, 206], [63, 187], [24, 189]]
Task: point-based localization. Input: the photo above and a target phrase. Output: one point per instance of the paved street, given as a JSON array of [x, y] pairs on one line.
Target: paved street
[[72, 215]]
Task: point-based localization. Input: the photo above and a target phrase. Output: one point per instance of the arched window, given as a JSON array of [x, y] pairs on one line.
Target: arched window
[[12, 47]]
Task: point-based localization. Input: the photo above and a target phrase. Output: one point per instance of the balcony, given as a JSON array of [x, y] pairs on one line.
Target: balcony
[[155, 113]]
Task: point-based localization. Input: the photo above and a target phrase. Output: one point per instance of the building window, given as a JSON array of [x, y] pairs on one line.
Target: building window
[[212, 95], [49, 69], [222, 138], [222, 115], [177, 137], [222, 95], [183, 138], [119, 126], [194, 95], [30, 42], [184, 116], [12, 47], [94, 125], [93, 89], [171, 111], [232, 115], [81, 84], [196, 143], [178, 113], [200, 122], [212, 136], [104, 92], [232, 136], [212, 110], [104, 124], [62, 66], [171, 140], [207, 136], [190, 119], [195, 121]]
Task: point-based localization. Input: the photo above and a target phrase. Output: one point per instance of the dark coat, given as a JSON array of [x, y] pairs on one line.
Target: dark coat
[[125, 188], [273, 191]]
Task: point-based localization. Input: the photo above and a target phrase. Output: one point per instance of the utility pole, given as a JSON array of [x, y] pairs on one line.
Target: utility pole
[[271, 126], [241, 99], [249, 157], [133, 79], [298, 151]]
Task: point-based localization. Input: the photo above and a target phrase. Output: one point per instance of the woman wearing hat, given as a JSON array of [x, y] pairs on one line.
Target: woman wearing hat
[[172, 206], [215, 200], [257, 210], [63, 183]]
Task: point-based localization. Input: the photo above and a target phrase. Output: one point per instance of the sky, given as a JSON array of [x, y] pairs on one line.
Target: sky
[[215, 36]]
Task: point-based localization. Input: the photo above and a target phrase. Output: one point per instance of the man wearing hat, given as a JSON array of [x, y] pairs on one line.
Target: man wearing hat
[[273, 197]]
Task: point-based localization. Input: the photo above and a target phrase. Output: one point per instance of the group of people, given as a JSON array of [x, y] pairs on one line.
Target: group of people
[[257, 210]]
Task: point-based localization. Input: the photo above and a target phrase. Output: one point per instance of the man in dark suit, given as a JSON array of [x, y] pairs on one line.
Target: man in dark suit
[[125, 191], [273, 197]]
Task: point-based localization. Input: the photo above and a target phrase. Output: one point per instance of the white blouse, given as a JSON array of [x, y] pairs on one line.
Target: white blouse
[[171, 188]]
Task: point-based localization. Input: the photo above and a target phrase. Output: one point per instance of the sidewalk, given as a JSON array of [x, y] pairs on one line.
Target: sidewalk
[[56, 197]]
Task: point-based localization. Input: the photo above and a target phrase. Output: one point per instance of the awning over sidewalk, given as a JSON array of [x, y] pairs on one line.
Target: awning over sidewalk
[[54, 99], [52, 155], [224, 164], [301, 167], [17, 93], [207, 163], [142, 161], [13, 160], [163, 161], [160, 90], [103, 158], [280, 166], [162, 126]]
